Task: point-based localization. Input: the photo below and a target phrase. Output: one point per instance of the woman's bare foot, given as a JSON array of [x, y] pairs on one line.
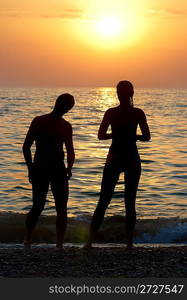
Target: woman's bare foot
[[27, 245], [129, 247], [59, 246]]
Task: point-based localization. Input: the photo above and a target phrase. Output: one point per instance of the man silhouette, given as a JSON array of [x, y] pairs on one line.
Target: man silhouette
[[50, 132]]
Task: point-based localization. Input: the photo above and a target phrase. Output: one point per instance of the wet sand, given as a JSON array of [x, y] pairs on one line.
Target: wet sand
[[115, 262]]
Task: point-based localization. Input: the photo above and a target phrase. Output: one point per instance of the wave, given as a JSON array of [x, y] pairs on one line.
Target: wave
[[150, 231]]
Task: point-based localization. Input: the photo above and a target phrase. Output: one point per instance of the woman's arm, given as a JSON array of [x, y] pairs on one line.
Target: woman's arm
[[145, 136], [102, 133]]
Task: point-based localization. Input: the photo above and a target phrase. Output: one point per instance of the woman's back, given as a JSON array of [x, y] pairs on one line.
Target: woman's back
[[124, 123]]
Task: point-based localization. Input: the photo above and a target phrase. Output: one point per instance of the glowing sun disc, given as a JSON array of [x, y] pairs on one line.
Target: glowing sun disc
[[109, 26]]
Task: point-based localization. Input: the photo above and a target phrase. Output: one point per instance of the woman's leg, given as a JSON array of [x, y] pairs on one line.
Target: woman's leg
[[109, 180], [132, 176]]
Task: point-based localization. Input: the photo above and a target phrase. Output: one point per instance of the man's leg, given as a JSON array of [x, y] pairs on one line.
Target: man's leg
[[60, 190], [132, 176], [40, 187], [109, 180]]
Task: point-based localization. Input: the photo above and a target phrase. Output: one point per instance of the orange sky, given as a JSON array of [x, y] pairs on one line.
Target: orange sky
[[52, 43]]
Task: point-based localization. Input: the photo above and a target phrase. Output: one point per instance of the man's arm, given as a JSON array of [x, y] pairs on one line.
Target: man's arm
[[102, 133], [70, 150], [146, 136], [30, 137]]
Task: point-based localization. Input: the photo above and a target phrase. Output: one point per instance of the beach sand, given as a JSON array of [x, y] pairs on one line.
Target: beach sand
[[114, 262]]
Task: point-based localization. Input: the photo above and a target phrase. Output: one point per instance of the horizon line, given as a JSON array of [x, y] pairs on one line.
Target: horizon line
[[89, 86]]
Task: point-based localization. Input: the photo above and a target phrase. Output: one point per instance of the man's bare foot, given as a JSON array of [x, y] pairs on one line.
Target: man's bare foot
[[27, 239], [87, 246], [27, 245]]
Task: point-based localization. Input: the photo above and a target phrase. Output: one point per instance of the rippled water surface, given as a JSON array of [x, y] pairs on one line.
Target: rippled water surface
[[162, 190]]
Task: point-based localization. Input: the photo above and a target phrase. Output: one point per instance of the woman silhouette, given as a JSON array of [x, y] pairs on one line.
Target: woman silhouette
[[122, 157]]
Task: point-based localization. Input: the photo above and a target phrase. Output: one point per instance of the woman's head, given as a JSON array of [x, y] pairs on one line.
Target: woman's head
[[125, 92]]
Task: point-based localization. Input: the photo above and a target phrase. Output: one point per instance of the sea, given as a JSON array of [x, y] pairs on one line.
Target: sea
[[161, 202]]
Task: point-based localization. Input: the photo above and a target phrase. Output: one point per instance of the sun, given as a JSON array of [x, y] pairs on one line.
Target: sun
[[112, 30], [109, 26]]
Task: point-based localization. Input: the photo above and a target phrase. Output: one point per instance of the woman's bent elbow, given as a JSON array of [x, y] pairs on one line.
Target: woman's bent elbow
[[146, 138], [100, 137]]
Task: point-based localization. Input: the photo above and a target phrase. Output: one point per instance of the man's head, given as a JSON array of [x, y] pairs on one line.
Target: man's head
[[64, 103], [125, 92]]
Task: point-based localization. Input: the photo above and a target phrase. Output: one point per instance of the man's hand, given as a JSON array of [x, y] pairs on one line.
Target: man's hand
[[69, 173], [30, 174]]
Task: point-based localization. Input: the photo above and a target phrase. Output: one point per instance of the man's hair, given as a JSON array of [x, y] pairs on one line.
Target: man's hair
[[64, 102]]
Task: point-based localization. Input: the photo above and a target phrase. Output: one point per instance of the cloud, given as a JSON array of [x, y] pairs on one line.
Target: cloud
[[69, 13], [66, 14], [167, 12], [12, 13], [177, 12]]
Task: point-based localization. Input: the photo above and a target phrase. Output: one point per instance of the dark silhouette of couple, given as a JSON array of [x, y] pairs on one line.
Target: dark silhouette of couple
[[50, 132]]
